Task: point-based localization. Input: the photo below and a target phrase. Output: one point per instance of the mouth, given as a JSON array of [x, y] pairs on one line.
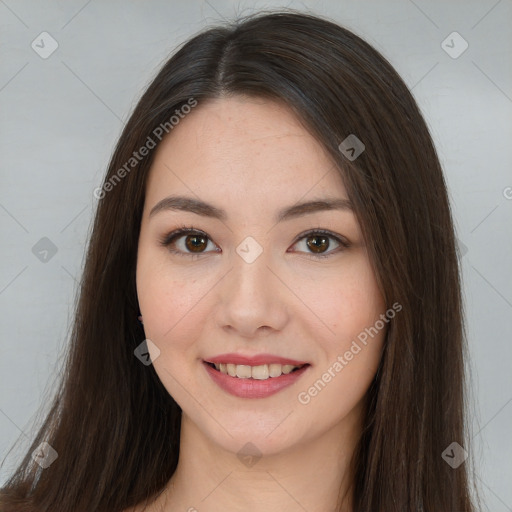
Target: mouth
[[259, 372], [254, 381]]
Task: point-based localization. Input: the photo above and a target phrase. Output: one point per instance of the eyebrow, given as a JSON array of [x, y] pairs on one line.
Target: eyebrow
[[189, 204]]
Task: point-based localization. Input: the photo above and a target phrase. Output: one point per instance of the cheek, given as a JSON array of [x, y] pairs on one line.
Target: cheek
[[348, 366], [344, 301], [170, 300], [172, 312], [349, 305]]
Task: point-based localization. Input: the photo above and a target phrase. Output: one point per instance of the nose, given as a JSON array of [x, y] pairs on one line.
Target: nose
[[252, 300]]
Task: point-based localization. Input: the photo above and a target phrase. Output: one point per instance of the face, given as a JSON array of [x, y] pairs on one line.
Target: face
[[256, 279]]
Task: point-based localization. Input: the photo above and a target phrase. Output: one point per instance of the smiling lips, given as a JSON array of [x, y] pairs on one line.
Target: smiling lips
[[255, 376], [260, 372]]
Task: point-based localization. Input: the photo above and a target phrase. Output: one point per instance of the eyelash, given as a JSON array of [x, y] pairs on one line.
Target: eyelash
[[170, 238]]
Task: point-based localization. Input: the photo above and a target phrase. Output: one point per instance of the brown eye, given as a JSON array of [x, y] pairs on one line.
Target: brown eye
[[196, 243], [318, 243], [189, 242]]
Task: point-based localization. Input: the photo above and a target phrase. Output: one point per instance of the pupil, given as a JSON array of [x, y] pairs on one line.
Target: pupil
[[318, 247], [193, 244], [197, 243]]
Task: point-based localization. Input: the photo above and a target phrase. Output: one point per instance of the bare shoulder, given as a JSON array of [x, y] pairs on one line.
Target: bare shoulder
[[157, 504], [138, 508], [143, 507]]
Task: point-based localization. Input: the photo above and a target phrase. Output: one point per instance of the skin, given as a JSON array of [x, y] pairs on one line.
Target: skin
[[251, 157]]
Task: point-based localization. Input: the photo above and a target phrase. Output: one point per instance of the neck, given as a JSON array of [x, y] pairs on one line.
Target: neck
[[307, 477]]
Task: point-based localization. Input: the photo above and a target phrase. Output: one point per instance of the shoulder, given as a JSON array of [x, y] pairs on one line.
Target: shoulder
[[142, 507]]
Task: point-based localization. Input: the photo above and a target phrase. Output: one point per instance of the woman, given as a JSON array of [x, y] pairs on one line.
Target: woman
[[270, 314]]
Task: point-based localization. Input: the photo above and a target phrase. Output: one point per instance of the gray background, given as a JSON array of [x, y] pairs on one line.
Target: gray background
[[61, 116]]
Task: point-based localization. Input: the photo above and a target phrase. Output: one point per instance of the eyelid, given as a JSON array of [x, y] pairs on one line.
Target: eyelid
[[341, 240], [168, 239], [320, 231]]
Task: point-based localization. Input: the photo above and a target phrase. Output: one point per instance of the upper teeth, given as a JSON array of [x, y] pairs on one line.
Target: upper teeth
[[261, 372]]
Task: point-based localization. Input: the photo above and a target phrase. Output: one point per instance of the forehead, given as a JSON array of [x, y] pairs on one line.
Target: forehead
[[242, 147]]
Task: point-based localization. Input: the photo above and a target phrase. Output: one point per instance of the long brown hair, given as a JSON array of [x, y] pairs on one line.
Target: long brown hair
[[113, 424]]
